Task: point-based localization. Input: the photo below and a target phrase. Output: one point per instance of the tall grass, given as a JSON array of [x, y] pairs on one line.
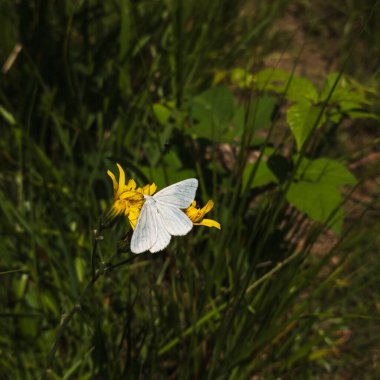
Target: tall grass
[[103, 82]]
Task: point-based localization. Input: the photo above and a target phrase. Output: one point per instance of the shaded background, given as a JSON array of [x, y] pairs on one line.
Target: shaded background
[[86, 84]]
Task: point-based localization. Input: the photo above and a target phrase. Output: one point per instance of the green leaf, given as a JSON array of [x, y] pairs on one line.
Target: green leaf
[[241, 78], [163, 177], [324, 170], [80, 268], [163, 112], [280, 166], [319, 201], [7, 116], [346, 93], [169, 171], [260, 116], [301, 89], [262, 108], [302, 118], [50, 303], [363, 115], [263, 175], [236, 127], [296, 88], [211, 112], [271, 79]]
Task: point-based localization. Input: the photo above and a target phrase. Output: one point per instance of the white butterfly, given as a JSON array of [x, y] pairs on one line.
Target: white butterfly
[[161, 217]]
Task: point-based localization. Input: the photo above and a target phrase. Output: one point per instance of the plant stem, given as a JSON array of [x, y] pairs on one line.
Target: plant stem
[[66, 318], [216, 311]]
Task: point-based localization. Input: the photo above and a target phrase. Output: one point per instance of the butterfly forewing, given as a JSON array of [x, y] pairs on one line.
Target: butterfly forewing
[[179, 195], [145, 233]]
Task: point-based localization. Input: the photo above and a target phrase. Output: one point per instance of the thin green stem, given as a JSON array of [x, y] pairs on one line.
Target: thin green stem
[[24, 270], [67, 317], [216, 311]]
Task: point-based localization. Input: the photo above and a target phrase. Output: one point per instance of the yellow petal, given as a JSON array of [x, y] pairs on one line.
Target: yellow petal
[[209, 223], [131, 185], [121, 179], [208, 207], [197, 214], [119, 207], [148, 189], [114, 182], [192, 213], [131, 196], [133, 216]]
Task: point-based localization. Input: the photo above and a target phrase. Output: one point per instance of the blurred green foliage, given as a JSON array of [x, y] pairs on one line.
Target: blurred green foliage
[[158, 86]]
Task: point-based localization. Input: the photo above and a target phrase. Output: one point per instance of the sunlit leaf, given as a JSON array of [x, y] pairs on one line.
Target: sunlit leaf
[[324, 170], [302, 118], [295, 88], [320, 201], [263, 175]]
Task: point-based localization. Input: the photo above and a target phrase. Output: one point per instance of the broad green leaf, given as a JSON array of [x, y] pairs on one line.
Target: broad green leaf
[[262, 108], [263, 175], [302, 118], [296, 88], [300, 89], [236, 127], [271, 79], [280, 166], [211, 112], [348, 96], [320, 201], [324, 170], [346, 93], [172, 160]]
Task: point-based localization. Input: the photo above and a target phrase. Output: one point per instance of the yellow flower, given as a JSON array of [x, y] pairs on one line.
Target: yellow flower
[[196, 215], [128, 198]]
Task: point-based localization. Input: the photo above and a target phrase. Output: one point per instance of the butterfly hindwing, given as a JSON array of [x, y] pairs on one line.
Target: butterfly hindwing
[[145, 233], [163, 236], [176, 222]]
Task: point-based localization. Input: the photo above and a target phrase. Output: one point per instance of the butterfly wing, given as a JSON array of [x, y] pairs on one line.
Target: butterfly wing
[[145, 234], [175, 221], [163, 236], [178, 195], [160, 217]]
